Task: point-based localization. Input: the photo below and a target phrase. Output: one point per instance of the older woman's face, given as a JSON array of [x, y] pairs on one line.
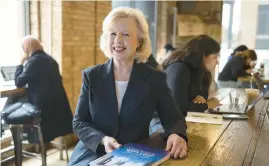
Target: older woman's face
[[211, 61], [123, 38]]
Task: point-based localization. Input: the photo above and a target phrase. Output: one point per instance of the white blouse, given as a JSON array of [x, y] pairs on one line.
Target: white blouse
[[120, 91]]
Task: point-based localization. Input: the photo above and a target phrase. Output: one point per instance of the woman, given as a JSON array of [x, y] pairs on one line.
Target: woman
[[118, 98], [189, 76], [45, 89], [238, 66], [238, 50]]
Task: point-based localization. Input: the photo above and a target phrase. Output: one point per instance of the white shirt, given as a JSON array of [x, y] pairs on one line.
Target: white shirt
[[120, 91]]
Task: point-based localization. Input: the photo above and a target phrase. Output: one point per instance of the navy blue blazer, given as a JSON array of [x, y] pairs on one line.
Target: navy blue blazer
[[97, 113]]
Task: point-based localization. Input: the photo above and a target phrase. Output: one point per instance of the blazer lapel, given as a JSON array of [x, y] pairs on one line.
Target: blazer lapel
[[136, 92], [105, 91]]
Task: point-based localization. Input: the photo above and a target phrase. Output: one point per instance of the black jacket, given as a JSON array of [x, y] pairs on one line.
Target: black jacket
[[152, 61], [183, 78], [97, 114], [233, 69], [46, 91]]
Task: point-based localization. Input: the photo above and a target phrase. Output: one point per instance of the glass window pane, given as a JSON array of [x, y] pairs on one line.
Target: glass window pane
[[263, 20], [262, 43], [11, 32]]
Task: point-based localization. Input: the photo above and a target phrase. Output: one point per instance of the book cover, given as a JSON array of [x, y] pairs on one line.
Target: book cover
[[132, 154]]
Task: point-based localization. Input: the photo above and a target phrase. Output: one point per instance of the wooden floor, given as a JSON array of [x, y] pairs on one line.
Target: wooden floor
[[53, 159]]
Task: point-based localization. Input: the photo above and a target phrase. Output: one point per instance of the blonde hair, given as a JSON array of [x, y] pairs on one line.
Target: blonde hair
[[144, 50], [30, 44]]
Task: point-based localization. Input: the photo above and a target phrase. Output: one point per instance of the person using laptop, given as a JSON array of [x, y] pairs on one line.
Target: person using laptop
[[189, 76], [188, 71], [238, 50], [238, 66], [45, 89]]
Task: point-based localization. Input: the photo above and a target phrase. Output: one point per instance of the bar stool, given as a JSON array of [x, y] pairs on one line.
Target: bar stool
[[20, 116], [17, 129]]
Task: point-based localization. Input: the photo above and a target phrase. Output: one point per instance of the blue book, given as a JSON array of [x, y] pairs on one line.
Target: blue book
[[132, 154]]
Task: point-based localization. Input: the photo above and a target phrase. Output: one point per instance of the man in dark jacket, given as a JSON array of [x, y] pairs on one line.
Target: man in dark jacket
[[39, 72]]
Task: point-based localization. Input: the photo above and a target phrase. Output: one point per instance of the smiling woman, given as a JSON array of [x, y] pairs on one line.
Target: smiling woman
[[12, 15], [133, 29], [118, 98]]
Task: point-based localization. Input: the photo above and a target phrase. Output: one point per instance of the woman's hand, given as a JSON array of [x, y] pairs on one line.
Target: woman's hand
[[177, 146], [110, 144], [249, 71], [213, 103], [199, 99], [23, 58]]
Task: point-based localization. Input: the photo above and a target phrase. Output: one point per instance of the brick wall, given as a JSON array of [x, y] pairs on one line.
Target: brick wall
[[70, 32], [82, 22], [78, 44], [102, 9]]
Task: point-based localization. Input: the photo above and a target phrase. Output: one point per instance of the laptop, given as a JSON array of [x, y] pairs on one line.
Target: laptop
[[8, 75], [260, 84], [243, 106], [229, 106]]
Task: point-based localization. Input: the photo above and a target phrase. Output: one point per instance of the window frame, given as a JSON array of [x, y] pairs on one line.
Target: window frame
[[5, 140]]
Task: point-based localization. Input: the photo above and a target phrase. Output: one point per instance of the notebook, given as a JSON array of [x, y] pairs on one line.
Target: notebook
[[199, 117]]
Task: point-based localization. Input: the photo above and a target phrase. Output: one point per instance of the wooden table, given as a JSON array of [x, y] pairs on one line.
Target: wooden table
[[7, 91], [235, 142]]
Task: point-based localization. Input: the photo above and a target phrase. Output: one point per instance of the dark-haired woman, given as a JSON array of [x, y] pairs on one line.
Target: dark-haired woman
[[189, 76], [238, 50], [238, 66]]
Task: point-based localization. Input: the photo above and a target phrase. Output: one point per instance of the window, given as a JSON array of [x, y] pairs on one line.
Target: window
[[231, 19], [262, 37], [227, 24], [13, 28]]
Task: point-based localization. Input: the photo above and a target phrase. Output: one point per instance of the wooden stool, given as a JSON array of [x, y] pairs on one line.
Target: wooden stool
[[17, 129]]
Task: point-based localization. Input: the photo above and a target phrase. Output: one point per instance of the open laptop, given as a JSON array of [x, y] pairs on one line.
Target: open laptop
[[260, 84], [7, 75], [229, 107], [243, 106]]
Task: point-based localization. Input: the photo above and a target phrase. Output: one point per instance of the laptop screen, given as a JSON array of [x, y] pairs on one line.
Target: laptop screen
[[229, 108], [266, 92], [8, 72], [259, 81], [260, 85]]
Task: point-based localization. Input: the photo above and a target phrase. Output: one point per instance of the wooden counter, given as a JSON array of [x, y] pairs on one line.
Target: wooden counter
[[235, 142], [7, 91]]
